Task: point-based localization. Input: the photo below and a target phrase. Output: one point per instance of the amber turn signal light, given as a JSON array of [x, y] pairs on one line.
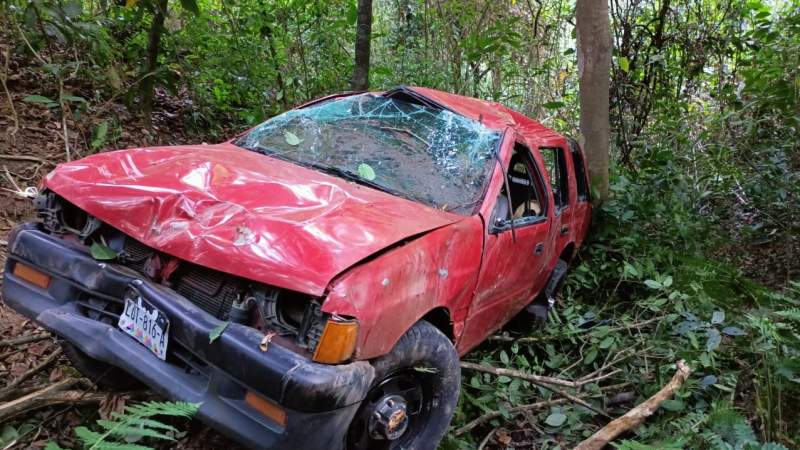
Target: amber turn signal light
[[266, 407], [32, 275], [338, 341]]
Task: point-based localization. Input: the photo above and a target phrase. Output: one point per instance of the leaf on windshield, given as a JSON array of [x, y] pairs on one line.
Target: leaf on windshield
[[366, 171], [291, 138]]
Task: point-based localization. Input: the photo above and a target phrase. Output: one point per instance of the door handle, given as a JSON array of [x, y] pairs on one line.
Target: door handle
[[538, 249], [564, 230]]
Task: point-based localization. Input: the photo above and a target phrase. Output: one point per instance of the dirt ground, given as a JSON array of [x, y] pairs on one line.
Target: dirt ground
[[31, 144]]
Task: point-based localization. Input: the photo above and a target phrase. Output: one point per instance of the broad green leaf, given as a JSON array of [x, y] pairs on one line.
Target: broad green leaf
[[217, 332], [718, 317], [552, 105], [39, 99], [590, 356], [100, 134], [624, 64], [102, 252], [366, 171], [556, 419], [504, 357], [607, 342], [733, 331], [73, 99], [714, 339], [291, 138], [672, 405], [653, 284]]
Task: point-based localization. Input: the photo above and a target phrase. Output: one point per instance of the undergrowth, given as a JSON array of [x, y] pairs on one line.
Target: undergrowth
[[138, 422], [643, 290]]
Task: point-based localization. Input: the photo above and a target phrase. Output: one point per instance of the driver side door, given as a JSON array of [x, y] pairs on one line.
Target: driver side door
[[515, 247]]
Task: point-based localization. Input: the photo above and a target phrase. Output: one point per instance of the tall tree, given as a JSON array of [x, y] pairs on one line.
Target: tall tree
[[363, 31], [151, 63], [594, 68]]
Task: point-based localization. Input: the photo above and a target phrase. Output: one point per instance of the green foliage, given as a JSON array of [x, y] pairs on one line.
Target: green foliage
[[135, 423]]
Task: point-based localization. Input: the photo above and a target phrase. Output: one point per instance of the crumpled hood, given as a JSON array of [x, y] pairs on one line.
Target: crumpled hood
[[240, 212]]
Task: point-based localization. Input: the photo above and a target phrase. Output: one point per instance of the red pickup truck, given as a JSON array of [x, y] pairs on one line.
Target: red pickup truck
[[312, 282]]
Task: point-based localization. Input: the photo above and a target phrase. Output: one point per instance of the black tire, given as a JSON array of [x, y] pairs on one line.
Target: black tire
[[534, 316], [103, 375], [423, 371]]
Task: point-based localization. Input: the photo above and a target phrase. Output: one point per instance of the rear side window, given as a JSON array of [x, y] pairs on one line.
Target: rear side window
[[580, 171], [556, 164]]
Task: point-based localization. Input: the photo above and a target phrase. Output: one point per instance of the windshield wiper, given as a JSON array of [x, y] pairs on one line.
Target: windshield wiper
[[351, 176]]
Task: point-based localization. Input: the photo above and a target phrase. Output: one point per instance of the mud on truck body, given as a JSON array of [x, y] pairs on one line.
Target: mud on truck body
[[312, 282]]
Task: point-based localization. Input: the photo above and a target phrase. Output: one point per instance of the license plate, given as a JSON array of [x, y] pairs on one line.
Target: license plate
[[146, 324]]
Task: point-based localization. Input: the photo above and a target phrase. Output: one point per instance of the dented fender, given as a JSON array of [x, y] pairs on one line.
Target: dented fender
[[391, 292]]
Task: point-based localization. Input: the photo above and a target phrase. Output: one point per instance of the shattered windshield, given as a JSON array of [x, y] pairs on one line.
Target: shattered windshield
[[425, 154]]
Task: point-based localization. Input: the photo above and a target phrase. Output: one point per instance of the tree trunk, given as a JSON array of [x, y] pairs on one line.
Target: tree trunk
[[363, 31], [594, 67], [151, 64]]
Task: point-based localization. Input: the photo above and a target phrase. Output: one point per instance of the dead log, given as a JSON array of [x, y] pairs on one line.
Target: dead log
[[637, 415], [50, 396]]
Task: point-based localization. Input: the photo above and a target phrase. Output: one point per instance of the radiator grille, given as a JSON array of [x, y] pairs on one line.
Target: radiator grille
[[212, 291]]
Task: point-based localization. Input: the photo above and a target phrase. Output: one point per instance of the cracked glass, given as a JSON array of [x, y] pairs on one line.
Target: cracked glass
[[425, 154]]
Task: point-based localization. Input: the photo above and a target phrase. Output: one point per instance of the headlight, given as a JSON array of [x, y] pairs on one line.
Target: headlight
[[338, 341]]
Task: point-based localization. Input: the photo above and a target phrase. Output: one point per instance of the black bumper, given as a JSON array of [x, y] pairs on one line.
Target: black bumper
[[320, 400]]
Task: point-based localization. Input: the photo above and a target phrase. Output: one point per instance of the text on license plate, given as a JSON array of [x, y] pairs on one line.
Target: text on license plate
[[146, 324]]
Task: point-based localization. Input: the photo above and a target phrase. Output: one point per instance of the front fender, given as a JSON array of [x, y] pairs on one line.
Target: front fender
[[391, 292]]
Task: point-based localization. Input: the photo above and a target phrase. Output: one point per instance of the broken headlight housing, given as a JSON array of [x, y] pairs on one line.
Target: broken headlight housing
[[59, 216]]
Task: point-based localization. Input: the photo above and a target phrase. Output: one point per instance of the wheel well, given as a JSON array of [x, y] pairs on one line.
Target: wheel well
[[568, 251], [440, 318]]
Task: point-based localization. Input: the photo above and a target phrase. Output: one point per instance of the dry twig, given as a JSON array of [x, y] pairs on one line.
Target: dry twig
[[11, 387], [548, 383], [24, 339], [50, 396], [637, 415]]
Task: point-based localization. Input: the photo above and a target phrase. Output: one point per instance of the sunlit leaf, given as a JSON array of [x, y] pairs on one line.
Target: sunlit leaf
[[102, 252], [623, 64], [556, 419], [291, 138], [366, 171], [217, 331]]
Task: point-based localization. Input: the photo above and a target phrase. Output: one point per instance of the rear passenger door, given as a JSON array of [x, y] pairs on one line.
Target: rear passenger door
[[582, 215], [557, 164]]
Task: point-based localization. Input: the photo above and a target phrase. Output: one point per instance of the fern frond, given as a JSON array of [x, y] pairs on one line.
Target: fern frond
[[133, 424]]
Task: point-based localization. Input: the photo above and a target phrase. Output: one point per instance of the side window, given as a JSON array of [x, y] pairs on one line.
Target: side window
[[525, 189], [556, 165], [580, 171]]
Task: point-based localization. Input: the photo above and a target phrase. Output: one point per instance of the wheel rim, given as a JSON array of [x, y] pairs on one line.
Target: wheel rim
[[394, 413]]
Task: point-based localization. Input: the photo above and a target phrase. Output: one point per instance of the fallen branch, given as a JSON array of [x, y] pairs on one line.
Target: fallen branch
[[637, 415], [24, 158], [50, 396], [10, 387], [545, 382], [537, 379], [529, 339], [24, 340]]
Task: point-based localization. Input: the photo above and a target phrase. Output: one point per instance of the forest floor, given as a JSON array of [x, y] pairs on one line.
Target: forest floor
[[32, 144]]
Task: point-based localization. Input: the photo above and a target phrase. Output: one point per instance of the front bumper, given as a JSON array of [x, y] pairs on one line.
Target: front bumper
[[320, 400]]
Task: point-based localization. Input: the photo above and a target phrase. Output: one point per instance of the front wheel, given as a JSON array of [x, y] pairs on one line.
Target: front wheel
[[413, 397]]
